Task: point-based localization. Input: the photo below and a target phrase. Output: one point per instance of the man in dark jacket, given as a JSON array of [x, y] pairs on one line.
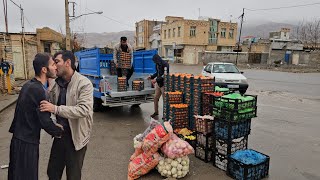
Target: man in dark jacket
[[28, 122], [158, 80]]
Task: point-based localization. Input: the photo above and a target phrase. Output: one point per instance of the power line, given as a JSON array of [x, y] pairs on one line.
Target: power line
[[283, 7], [113, 19]]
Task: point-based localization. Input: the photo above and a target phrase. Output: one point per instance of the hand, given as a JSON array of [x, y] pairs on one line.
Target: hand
[[149, 77], [60, 126], [45, 106]]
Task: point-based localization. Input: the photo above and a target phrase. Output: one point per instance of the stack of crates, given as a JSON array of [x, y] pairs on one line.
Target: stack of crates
[[122, 84], [204, 137], [178, 115], [113, 68], [137, 85], [169, 99], [125, 60], [201, 85], [232, 126]]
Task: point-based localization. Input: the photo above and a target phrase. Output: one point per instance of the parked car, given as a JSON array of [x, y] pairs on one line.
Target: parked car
[[226, 75]]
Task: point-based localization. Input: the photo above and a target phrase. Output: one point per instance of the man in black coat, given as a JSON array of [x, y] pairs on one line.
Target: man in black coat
[[28, 122], [158, 79]]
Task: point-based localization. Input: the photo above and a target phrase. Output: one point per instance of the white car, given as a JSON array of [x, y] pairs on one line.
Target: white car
[[226, 75]]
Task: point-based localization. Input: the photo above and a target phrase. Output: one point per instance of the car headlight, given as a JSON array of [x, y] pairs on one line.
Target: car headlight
[[244, 81], [219, 80]]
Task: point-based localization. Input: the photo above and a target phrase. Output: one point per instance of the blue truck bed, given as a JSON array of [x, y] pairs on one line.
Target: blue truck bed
[[95, 65]]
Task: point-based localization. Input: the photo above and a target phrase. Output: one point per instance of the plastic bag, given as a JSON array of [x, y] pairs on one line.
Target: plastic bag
[[142, 164], [159, 135], [152, 125], [174, 168], [154, 140], [176, 147]]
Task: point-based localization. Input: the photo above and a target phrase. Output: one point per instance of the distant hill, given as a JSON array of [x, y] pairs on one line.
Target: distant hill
[[253, 29], [103, 39], [263, 30]]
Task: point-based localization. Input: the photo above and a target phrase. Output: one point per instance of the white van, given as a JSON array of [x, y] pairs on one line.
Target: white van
[[226, 75]]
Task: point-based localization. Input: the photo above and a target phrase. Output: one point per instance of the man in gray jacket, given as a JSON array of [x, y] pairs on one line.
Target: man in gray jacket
[[123, 46], [72, 95]]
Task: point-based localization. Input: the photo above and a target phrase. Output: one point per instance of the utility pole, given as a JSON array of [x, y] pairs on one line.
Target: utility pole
[[68, 34], [22, 39], [242, 15]]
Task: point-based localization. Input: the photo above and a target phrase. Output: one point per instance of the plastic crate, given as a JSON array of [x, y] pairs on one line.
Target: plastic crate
[[236, 104], [137, 85], [122, 84], [179, 116], [220, 161], [204, 141], [204, 124], [229, 147], [227, 130], [203, 154], [244, 171], [235, 115]]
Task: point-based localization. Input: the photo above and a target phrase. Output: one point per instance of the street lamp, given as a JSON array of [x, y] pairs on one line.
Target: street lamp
[[99, 12]]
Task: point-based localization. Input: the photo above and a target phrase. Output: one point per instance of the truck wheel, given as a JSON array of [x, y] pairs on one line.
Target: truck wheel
[[97, 104], [136, 105]]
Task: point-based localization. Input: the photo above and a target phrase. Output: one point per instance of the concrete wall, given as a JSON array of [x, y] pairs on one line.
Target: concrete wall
[[276, 55], [207, 57], [310, 58], [191, 54]]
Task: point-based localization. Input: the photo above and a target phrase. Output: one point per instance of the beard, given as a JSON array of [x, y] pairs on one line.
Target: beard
[[50, 74]]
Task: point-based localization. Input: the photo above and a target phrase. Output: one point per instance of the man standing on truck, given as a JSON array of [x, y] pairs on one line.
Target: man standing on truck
[[72, 94], [158, 80], [123, 46]]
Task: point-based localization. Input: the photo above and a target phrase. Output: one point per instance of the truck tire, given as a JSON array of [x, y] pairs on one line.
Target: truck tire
[[97, 104], [136, 105]]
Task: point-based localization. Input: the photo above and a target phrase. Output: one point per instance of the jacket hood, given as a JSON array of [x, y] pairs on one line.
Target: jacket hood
[[157, 59]]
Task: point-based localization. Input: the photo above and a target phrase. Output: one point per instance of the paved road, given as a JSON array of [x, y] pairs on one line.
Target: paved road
[[287, 129]]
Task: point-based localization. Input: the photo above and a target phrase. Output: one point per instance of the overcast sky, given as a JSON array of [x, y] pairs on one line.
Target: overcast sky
[[124, 13]]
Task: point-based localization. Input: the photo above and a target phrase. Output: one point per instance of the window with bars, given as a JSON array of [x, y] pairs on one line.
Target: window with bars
[[193, 31]]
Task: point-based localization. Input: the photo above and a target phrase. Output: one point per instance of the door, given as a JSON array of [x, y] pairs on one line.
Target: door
[[295, 59], [207, 71], [18, 62]]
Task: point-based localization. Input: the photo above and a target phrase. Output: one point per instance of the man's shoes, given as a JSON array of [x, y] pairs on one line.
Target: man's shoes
[[154, 115]]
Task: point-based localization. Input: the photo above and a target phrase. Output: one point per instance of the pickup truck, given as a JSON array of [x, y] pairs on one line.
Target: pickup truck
[[96, 66]]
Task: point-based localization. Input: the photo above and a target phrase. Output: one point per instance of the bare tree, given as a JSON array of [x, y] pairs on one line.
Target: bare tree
[[308, 33]]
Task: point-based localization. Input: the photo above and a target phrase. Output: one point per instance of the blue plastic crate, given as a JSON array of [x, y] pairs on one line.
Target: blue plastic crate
[[228, 130], [248, 165]]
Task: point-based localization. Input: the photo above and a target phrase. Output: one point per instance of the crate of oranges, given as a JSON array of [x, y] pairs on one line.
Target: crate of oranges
[[122, 84]]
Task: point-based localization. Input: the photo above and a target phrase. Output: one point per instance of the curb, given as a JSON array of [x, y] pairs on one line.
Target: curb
[[11, 103]]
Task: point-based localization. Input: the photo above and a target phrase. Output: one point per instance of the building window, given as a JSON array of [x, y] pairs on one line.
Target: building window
[[140, 40], [212, 38], [174, 32], [231, 33], [47, 47], [193, 31], [169, 33], [140, 29], [223, 32], [179, 31], [165, 34]]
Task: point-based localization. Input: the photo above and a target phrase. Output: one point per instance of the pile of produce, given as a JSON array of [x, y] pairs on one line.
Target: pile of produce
[[174, 168]]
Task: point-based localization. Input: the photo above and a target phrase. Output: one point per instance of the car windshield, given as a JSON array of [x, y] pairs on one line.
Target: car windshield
[[225, 68]]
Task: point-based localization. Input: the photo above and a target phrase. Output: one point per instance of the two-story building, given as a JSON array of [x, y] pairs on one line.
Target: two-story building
[[182, 39], [144, 30]]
